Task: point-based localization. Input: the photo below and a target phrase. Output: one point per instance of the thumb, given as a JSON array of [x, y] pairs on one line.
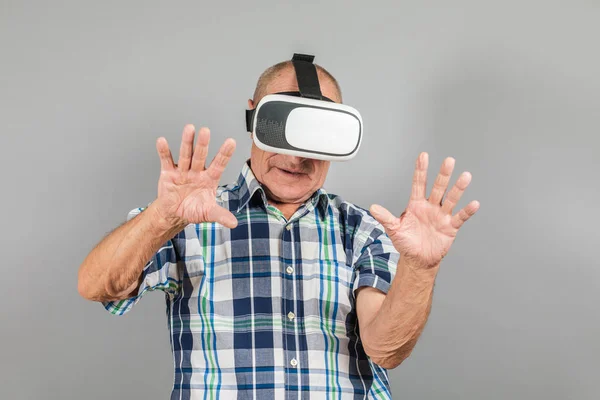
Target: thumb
[[383, 216], [222, 216]]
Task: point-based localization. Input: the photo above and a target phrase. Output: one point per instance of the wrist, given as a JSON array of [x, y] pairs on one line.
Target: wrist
[[417, 271], [162, 224]]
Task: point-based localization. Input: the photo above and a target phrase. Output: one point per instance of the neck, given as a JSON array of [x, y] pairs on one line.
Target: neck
[[287, 209]]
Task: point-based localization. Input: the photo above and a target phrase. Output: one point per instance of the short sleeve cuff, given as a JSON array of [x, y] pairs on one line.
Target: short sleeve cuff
[[122, 307], [370, 280]]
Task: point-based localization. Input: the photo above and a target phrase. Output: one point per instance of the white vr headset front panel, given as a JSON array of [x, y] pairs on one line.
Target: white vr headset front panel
[[307, 128]]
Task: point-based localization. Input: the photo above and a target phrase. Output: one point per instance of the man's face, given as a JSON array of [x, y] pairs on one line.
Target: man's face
[[290, 179]]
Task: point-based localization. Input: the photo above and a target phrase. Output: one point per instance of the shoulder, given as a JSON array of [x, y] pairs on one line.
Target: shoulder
[[356, 218]]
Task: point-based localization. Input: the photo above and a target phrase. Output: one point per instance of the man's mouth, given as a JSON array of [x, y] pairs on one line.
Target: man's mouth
[[291, 173]]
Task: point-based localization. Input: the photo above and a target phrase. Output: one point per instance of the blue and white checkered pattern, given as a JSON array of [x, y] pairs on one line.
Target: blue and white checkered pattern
[[267, 310]]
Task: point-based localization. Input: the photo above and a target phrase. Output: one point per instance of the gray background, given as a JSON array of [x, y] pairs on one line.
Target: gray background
[[510, 89]]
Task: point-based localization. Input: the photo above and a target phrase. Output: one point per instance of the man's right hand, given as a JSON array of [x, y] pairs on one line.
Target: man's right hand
[[186, 194], [187, 190]]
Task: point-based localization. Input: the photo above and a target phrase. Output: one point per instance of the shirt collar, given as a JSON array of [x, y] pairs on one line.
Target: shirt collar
[[247, 188]]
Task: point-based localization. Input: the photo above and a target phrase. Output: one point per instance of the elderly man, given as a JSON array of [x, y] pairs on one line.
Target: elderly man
[[275, 288]]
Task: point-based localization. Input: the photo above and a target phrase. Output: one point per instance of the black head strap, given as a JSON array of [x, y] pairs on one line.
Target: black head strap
[[306, 75], [249, 115]]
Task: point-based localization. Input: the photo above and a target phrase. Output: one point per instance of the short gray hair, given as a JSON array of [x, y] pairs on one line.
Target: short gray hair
[[275, 70]]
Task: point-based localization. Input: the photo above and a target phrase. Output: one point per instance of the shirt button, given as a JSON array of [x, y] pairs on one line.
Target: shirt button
[[291, 316], [288, 227], [293, 362], [289, 269]]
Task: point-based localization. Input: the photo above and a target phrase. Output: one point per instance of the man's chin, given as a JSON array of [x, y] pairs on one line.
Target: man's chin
[[293, 195], [287, 188]]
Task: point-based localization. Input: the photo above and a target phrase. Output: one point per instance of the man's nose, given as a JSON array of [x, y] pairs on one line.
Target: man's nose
[[295, 160]]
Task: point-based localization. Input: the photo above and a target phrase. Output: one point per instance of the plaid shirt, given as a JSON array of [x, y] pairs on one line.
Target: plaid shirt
[[267, 310]]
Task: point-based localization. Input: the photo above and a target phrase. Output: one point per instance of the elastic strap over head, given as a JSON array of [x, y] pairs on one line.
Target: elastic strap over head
[[306, 75]]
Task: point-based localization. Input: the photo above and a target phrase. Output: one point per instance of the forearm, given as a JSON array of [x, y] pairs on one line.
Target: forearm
[[112, 270], [393, 332]]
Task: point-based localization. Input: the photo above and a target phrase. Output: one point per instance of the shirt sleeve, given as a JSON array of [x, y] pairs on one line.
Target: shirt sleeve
[[160, 273], [375, 256]]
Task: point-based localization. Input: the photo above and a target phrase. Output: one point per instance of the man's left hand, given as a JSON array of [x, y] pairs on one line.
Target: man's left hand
[[425, 231]]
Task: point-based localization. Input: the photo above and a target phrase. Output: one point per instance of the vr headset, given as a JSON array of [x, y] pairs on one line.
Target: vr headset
[[305, 123]]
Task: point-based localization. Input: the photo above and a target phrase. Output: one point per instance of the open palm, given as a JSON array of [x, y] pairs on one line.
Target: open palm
[[187, 190], [426, 229]]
